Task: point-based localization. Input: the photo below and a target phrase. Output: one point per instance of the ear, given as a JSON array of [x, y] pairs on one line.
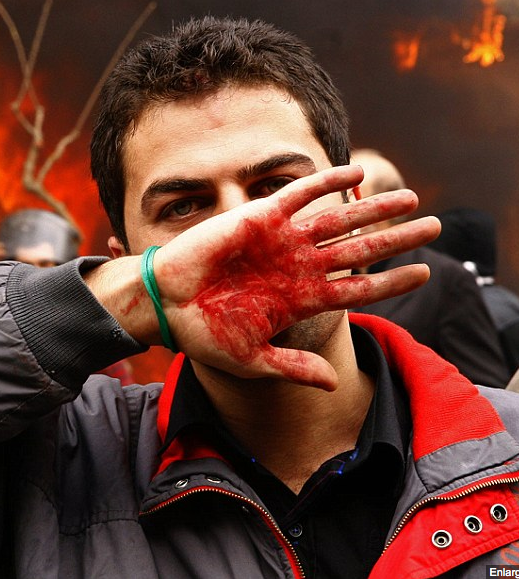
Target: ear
[[116, 247]]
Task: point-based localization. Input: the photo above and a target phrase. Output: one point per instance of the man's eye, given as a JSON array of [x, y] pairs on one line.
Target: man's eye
[[183, 207], [272, 185], [180, 208]]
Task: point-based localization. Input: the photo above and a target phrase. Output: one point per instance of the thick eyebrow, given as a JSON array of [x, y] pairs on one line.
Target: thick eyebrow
[[276, 162], [171, 184]]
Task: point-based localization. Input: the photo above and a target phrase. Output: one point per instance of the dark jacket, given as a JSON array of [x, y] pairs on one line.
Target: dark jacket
[[503, 306], [87, 491], [469, 235], [448, 315]]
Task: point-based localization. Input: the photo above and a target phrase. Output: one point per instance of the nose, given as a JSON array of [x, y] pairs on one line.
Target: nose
[[229, 197]]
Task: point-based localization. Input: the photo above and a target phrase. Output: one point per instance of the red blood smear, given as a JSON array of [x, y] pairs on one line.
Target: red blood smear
[[259, 285]]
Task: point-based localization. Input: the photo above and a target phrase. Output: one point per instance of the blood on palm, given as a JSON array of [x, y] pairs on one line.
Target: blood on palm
[[260, 285]]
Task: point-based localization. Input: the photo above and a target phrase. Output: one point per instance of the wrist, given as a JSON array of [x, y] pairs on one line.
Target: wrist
[[119, 288]]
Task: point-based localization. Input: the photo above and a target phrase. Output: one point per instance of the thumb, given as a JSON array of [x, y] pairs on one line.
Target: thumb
[[301, 367]]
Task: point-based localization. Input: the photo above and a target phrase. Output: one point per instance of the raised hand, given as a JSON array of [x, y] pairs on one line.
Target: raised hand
[[230, 284]]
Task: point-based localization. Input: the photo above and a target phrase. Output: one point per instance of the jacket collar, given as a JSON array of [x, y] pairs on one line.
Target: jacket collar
[[446, 408]]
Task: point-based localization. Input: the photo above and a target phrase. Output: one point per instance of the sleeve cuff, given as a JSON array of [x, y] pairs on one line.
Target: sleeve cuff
[[68, 331]]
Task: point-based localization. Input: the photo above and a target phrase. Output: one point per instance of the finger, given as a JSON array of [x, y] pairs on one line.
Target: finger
[[301, 192], [342, 219], [368, 248], [288, 365], [363, 289], [300, 367]]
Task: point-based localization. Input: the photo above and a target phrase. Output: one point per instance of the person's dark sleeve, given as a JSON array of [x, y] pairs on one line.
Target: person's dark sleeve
[[53, 335], [468, 336]]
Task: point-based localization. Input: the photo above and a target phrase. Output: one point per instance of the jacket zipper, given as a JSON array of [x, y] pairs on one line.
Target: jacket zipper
[[292, 555], [467, 491]]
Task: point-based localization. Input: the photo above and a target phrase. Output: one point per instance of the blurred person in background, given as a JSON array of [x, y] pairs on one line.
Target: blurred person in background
[[469, 235], [39, 237], [448, 313]]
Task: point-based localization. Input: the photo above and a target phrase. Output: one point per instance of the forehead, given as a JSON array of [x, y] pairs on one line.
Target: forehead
[[214, 125], [36, 253], [241, 99]]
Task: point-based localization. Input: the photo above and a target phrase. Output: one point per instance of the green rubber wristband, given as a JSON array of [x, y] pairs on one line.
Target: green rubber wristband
[[148, 277]]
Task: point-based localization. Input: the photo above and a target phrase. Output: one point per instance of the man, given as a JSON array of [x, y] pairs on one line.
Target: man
[[447, 314], [278, 446], [469, 236]]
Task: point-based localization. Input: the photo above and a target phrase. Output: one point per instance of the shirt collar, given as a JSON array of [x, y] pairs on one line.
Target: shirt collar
[[388, 420]]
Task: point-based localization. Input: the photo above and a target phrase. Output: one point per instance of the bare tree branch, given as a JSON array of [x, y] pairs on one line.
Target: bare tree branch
[[87, 109], [116, 56], [33, 179], [28, 66], [22, 58]]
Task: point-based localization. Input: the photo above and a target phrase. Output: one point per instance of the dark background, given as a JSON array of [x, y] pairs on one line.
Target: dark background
[[451, 127]]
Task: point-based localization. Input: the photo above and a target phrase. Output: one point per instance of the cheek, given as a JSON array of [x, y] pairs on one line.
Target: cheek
[[140, 234], [142, 238]]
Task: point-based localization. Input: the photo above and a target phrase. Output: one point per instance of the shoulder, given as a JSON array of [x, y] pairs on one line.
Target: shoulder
[[443, 262], [106, 420], [438, 262], [506, 403], [105, 398], [501, 294]]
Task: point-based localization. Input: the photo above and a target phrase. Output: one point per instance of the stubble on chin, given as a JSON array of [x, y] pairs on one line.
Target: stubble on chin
[[312, 334]]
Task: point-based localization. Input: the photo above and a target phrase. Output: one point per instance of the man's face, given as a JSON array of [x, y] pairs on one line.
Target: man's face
[[190, 160], [41, 255]]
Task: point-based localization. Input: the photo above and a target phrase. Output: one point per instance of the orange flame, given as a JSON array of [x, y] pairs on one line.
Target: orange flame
[[405, 51], [486, 46]]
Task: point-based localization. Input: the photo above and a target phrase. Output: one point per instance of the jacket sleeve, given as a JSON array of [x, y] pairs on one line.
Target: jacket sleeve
[[53, 335]]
